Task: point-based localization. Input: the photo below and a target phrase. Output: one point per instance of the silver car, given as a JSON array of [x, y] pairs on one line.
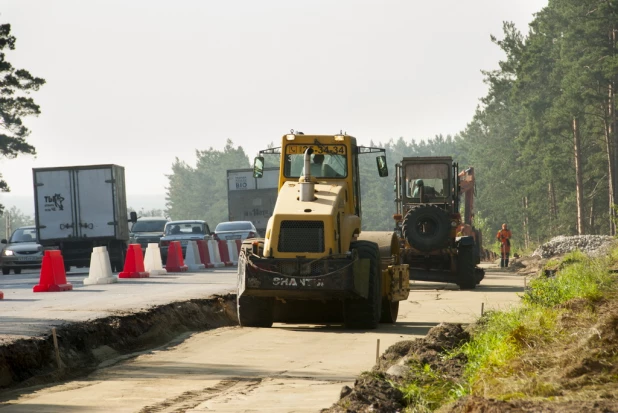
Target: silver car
[[233, 230], [21, 251], [183, 231]]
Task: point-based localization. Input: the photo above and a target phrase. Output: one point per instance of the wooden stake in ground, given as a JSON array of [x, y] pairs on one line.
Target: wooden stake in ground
[[58, 360]]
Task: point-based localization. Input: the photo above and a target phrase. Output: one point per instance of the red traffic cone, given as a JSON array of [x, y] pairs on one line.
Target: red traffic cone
[[53, 276], [134, 263], [1, 295], [202, 246], [175, 262]]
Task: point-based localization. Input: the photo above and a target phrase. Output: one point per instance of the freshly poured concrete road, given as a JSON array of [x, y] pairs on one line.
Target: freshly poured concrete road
[[287, 368], [25, 314]]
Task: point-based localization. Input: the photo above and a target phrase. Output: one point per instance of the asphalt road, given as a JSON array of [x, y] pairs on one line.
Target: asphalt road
[[287, 368], [24, 313]]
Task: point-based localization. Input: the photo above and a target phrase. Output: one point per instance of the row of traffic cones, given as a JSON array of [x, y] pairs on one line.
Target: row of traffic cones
[[53, 274]]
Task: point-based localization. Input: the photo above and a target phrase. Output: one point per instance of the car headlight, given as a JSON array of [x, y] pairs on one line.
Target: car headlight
[[7, 252]]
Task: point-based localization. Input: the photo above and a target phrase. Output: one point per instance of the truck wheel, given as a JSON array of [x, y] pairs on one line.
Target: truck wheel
[[364, 313], [6, 270], [426, 227], [390, 311], [255, 311], [466, 272]]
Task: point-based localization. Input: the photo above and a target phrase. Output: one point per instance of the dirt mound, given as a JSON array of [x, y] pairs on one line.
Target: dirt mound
[[371, 389], [575, 374], [84, 345]]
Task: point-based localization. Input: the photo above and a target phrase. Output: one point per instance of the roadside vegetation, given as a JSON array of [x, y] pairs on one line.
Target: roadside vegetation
[[558, 349], [535, 350]]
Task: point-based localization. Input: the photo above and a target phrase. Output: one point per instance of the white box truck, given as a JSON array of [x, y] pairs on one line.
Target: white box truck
[[78, 208], [251, 199]]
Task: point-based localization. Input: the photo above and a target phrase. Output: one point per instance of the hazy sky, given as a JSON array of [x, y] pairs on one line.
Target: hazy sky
[[138, 83]]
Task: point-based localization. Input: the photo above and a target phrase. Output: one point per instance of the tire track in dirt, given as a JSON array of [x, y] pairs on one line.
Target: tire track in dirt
[[190, 399]]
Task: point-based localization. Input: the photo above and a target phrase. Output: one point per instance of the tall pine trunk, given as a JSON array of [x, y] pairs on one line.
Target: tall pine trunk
[[553, 208], [579, 181]]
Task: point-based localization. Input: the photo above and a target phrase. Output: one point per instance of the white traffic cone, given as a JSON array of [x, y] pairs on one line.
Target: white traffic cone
[[232, 250], [152, 260], [100, 268], [213, 252], [192, 258]]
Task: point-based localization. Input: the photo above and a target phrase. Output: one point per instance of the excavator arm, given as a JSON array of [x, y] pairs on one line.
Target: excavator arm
[[467, 189]]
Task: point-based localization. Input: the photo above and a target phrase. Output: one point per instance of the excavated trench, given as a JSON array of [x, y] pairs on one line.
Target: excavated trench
[[85, 345]]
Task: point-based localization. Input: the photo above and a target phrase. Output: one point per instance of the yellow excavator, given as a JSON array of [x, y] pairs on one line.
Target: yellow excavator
[[314, 263]]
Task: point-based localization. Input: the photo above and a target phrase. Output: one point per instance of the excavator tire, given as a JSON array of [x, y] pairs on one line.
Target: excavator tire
[[364, 313], [255, 311], [426, 227], [466, 271]]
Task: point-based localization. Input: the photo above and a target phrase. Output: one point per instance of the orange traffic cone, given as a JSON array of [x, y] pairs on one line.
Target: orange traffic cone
[[53, 276], [175, 262], [134, 263]]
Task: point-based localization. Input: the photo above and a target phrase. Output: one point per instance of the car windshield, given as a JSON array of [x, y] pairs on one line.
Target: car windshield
[[23, 235], [184, 228], [234, 226], [149, 226]]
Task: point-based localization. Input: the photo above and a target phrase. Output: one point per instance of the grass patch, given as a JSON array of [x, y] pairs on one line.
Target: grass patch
[[502, 336], [577, 277], [508, 349], [429, 389]]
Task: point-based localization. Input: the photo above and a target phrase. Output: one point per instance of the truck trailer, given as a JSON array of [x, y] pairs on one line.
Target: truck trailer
[[78, 208]]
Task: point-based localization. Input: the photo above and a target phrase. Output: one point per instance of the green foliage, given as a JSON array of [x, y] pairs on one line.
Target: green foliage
[[16, 218], [501, 336], [578, 277], [429, 389], [200, 192], [15, 103]]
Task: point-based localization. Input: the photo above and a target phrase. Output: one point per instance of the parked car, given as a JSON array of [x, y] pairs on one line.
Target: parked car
[[21, 251], [183, 231], [232, 230], [147, 230]]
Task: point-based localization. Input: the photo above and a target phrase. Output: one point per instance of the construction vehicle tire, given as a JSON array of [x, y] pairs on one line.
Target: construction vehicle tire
[[390, 311], [364, 313], [466, 271], [426, 227], [255, 311]]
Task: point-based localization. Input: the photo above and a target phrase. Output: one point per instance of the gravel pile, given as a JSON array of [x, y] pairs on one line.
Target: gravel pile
[[591, 245]]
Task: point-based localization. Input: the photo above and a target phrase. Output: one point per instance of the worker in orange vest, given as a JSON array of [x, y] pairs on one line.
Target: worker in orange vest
[[504, 236]]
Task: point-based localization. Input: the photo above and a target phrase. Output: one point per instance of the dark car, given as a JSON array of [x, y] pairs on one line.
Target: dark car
[[21, 251], [233, 230], [147, 230], [183, 231]]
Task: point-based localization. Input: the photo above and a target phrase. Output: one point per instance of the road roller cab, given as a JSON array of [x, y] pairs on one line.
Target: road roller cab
[[314, 263]]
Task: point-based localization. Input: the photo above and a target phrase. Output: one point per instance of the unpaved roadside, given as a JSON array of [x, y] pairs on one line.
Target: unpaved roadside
[[289, 368]]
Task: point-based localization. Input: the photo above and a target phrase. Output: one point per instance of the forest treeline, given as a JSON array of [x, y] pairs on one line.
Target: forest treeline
[[543, 141]]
